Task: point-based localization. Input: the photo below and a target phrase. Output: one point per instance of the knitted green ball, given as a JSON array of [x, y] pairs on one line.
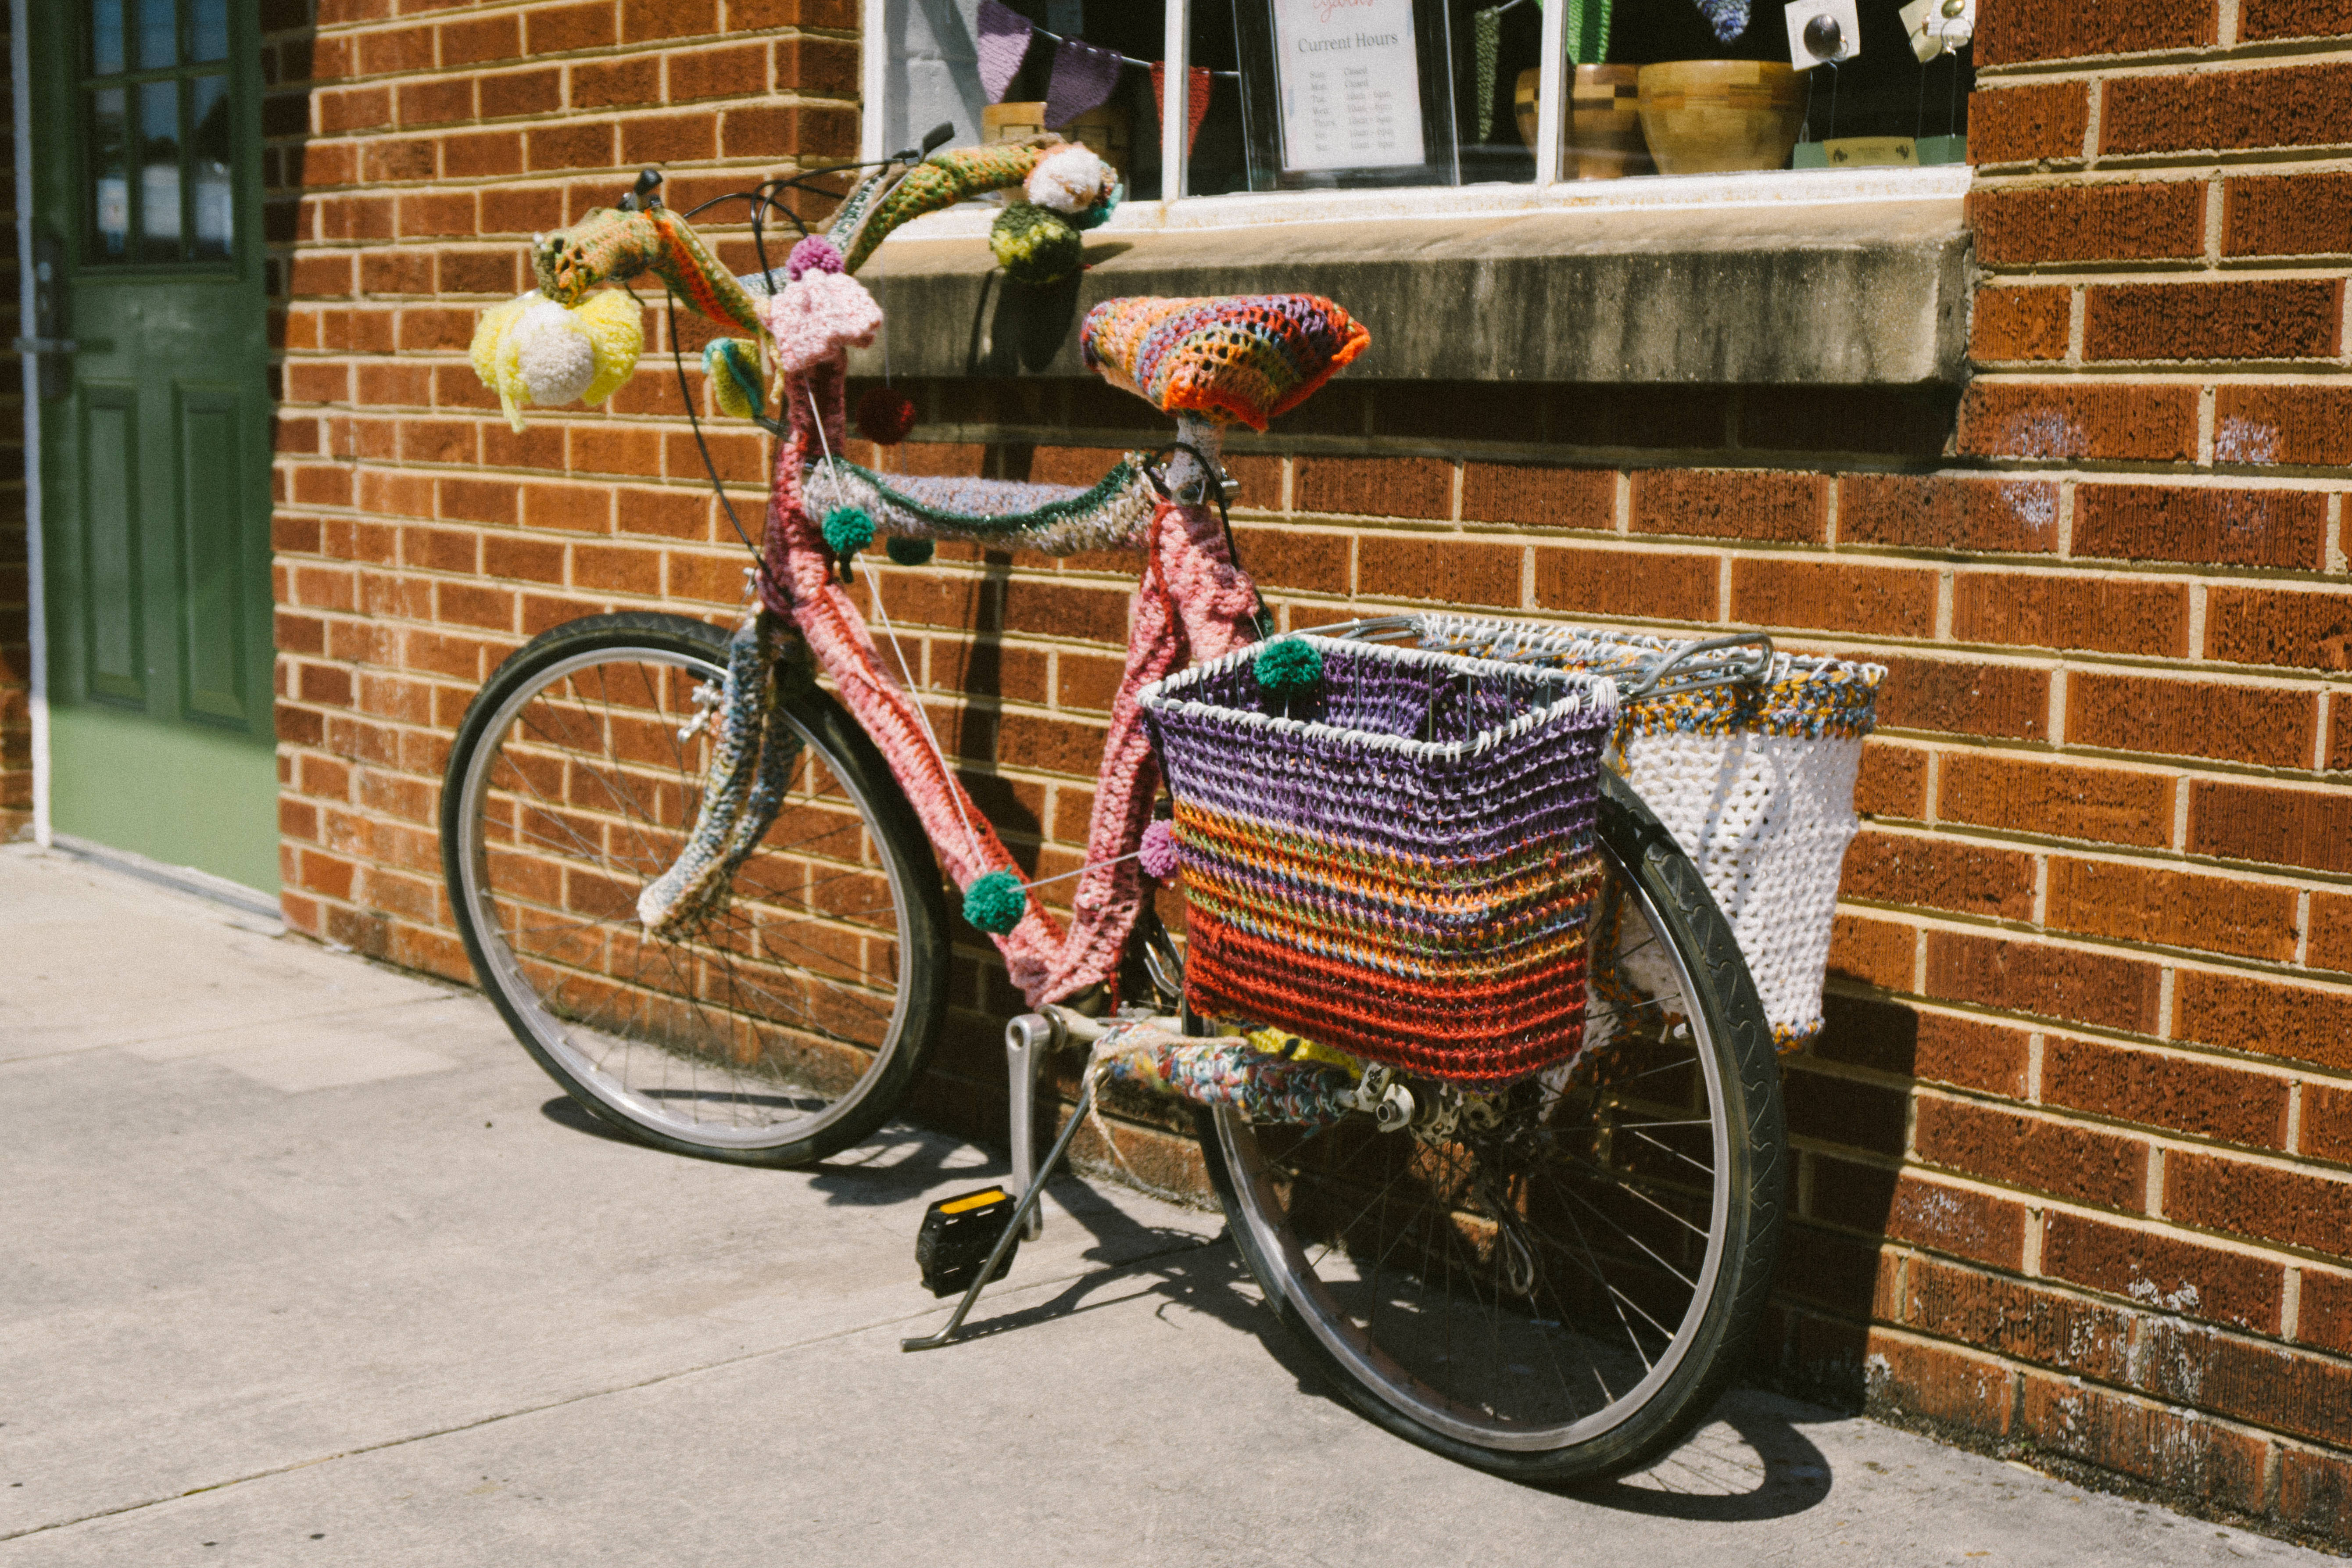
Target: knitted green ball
[[848, 530], [1036, 245], [1287, 665], [995, 902], [908, 552]]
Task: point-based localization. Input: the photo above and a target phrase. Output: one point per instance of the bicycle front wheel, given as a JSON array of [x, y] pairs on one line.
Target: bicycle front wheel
[[783, 1026], [1561, 1294]]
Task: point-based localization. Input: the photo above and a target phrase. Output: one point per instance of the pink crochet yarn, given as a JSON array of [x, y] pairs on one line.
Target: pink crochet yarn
[[818, 316], [814, 254], [1157, 853]]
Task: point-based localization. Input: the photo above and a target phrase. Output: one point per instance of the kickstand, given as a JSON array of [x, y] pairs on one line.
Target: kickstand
[[1011, 1226]]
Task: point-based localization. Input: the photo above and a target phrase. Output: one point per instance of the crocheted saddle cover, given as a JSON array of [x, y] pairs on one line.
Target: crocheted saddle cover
[[1245, 357]]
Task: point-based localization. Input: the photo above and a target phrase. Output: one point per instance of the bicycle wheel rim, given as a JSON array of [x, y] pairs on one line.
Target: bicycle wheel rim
[[752, 1094], [1342, 1316]]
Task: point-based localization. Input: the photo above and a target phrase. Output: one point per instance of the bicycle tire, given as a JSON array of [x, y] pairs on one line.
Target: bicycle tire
[[788, 1025], [1278, 1189]]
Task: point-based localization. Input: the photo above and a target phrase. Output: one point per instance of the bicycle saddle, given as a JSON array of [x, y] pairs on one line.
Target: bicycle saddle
[[1245, 357]]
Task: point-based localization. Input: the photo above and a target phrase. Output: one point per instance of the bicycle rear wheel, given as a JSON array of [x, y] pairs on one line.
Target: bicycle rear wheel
[[1562, 1295], [783, 1026]]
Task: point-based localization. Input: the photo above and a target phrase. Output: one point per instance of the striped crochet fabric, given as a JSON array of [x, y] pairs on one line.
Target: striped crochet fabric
[[1243, 357], [1266, 1089], [1397, 863], [1054, 519]]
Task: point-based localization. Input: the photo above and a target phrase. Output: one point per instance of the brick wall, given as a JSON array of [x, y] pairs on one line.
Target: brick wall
[[2074, 1154], [15, 667]]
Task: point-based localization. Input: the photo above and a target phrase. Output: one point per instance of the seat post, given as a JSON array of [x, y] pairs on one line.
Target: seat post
[[1185, 476]]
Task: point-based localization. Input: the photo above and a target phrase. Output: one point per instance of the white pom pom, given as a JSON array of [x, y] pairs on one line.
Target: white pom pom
[[1070, 179], [555, 357]]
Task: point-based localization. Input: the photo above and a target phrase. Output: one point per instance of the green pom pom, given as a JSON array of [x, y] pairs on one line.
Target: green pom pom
[[1287, 665], [995, 903], [848, 530], [908, 552], [1035, 245]]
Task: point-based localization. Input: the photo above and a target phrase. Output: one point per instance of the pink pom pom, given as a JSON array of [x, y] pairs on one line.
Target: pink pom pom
[[1158, 851], [814, 319], [814, 254]]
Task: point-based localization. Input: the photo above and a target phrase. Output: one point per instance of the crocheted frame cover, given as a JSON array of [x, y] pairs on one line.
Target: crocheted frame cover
[[1415, 902], [1755, 784], [1247, 357], [1056, 519]]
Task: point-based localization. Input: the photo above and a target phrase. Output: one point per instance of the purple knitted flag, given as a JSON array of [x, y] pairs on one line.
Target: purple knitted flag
[[1004, 36], [1083, 79], [1727, 17]]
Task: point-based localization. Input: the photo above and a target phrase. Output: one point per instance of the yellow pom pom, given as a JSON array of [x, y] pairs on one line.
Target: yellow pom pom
[[491, 332], [615, 325]]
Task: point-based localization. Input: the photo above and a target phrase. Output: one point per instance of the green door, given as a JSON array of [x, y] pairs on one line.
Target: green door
[[155, 429]]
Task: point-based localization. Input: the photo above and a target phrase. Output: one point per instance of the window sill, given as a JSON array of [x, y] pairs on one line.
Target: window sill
[[1834, 277]]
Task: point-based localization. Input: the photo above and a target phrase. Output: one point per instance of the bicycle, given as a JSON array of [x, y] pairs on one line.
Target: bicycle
[[705, 891]]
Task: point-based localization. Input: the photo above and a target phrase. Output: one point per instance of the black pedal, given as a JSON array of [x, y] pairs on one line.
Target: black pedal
[[957, 1236]]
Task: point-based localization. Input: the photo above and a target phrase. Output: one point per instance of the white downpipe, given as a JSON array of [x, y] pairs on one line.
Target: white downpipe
[[1175, 102], [1555, 85], [37, 630], [873, 76]]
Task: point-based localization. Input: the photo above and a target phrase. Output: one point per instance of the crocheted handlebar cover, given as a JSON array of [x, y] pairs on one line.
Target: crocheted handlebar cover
[[1245, 357], [951, 176], [610, 246], [1413, 900], [1755, 784]]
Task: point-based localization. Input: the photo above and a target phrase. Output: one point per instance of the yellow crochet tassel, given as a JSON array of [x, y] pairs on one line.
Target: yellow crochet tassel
[[534, 351]]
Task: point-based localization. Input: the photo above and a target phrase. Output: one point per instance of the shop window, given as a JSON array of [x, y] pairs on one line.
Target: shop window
[[1344, 94]]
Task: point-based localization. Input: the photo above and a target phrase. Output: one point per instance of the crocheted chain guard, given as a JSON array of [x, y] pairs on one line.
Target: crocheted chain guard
[[1054, 519], [1755, 784], [1228, 1070]]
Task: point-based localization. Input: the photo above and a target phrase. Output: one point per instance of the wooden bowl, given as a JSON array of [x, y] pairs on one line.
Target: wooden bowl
[[1705, 117], [1104, 129], [1604, 122]]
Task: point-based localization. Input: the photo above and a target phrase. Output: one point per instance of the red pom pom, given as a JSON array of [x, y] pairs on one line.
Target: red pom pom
[[883, 415]]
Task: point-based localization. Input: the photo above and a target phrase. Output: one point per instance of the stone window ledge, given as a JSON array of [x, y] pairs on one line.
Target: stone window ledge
[[1839, 292]]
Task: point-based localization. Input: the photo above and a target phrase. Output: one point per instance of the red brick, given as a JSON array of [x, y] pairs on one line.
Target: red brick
[[2104, 989], [2024, 124], [1939, 1383], [2018, 1319], [632, 79], [1731, 503], [1375, 487], [2067, 611], [483, 39], [1288, 557], [1989, 700], [1057, 609], [1537, 497], [1965, 1223], [649, 20], [1893, 782], [784, 132], [2264, 1017], [2260, 319], [2224, 527], [2020, 324], [2289, 106], [2130, 902], [2300, 215], [2310, 629], [2011, 35], [2187, 1094], [2111, 805], [1843, 1110], [1832, 595], [1943, 512], [1871, 951], [2325, 1132], [2324, 1314], [2191, 719], [2294, 19], [2331, 931], [1446, 570], [555, 28], [2056, 1157], [586, 146], [738, 70], [2107, 222], [2299, 425], [1939, 873], [2276, 827], [1645, 583], [2108, 423], [814, 65], [2314, 1493], [2278, 1204]]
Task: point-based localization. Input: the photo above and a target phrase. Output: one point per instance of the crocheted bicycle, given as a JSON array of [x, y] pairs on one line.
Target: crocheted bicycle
[[1480, 1077]]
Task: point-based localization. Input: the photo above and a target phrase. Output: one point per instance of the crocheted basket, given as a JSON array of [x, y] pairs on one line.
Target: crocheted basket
[[1755, 780], [1396, 860]]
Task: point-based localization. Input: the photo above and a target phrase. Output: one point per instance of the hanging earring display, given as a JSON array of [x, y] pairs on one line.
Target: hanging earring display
[[1083, 78], [1938, 26], [1004, 38], [1823, 32]]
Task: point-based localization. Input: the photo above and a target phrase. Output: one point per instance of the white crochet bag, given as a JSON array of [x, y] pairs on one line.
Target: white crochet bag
[[1754, 778]]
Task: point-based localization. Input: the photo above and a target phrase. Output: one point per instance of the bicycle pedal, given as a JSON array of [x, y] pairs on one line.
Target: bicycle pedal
[[957, 1235]]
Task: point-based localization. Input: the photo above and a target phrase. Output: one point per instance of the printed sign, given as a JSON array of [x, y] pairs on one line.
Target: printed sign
[[1350, 73]]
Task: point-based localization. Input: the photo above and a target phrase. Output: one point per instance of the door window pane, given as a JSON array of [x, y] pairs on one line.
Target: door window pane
[[159, 35], [159, 170], [109, 157], [105, 36], [208, 167], [208, 31]]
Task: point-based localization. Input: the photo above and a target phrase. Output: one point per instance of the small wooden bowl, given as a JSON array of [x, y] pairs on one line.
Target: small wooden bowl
[[1604, 122], [1704, 117]]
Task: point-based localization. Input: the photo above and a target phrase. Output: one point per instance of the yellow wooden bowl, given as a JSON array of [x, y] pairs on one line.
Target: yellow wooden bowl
[[1704, 117], [1604, 122]]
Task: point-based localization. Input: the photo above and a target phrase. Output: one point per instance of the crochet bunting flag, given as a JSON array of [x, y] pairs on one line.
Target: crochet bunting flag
[[1083, 77], [1004, 38], [1196, 97]]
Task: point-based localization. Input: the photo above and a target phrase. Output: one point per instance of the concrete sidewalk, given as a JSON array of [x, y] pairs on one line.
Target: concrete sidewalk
[[310, 1263]]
